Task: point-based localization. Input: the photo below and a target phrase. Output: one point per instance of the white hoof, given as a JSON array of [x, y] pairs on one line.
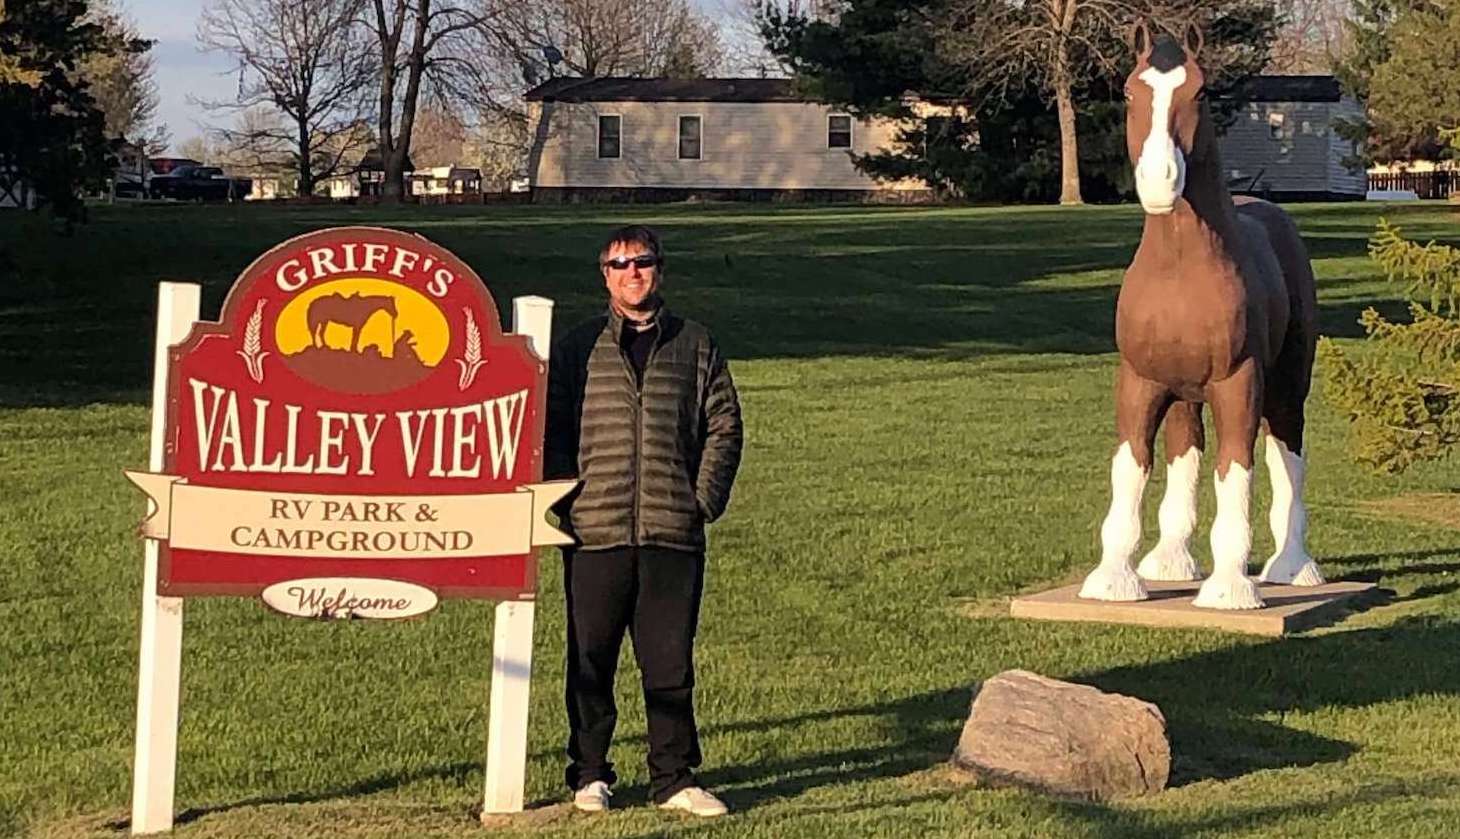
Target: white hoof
[[1292, 569], [1113, 582], [1171, 562], [1228, 591]]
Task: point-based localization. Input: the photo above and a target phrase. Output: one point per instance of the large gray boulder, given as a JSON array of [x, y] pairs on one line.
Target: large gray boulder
[[1063, 739]]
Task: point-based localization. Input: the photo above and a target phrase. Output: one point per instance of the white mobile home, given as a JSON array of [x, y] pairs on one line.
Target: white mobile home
[[1283, 146], [666, 139], [445, 180]]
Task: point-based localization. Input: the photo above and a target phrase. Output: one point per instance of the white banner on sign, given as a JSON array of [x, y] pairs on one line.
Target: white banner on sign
[[350, 526]]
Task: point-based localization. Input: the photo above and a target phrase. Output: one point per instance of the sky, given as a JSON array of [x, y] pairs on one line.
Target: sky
[[180, 69], [185, 75]]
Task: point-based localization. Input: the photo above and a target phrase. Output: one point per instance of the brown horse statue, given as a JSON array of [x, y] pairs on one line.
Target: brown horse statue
[[1216, 308], [350, 311]]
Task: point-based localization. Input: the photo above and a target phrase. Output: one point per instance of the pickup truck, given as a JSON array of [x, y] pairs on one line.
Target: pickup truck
[[199, 183]]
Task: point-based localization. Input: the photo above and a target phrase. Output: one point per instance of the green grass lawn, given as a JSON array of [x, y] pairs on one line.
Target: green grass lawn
[[929, 420]]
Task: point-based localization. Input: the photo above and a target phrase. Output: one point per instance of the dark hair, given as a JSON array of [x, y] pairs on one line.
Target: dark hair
[[634, 234]]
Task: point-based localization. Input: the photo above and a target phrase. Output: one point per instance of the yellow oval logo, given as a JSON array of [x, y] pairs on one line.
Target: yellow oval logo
[[362, 335]]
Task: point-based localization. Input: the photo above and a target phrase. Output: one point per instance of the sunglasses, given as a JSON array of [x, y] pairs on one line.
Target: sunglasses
[[644, 260]]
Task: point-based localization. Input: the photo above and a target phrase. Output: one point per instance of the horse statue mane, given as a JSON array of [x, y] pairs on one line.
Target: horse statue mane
[[352, 311], [1217, 308]]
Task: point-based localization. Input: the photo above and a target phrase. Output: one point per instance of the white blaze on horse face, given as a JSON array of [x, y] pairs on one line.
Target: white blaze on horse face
[[1161, 169], [1171, 558], [1290, 563], [1229, 587], [1120, 534]]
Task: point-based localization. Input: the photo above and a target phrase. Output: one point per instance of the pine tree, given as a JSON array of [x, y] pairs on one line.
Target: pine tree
[[52, 135], [1387, 35], [1403, 397]]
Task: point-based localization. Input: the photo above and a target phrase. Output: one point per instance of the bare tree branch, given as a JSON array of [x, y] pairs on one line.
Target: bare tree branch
[[306, 60]]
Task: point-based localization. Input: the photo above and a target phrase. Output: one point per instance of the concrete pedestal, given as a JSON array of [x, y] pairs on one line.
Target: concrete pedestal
[[1289, 608]]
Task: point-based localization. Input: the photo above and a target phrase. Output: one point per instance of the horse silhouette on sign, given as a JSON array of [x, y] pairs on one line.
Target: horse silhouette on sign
[[1217, 308], [350, 311]]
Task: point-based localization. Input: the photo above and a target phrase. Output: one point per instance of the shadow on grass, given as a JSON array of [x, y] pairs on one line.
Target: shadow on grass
[[772, 282], [1219, 708], [919, 726], [1376, 558], [1102, 822], [1213, 701], [368, 786]]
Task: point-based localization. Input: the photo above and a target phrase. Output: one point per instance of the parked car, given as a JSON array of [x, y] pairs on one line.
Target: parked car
[[199, 183]]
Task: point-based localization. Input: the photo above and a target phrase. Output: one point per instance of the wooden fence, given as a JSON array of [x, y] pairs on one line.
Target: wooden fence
[[1424, 184]]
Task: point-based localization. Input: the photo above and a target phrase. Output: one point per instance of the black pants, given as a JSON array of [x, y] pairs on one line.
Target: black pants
[[654, 593]]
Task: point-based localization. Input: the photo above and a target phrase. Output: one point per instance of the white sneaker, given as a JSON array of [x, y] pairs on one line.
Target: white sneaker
[[696, 801], [592, 798]]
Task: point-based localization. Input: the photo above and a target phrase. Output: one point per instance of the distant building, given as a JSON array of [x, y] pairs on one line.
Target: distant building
[[370, 175], [1283, 145], [266, 186], [664, 139], [129, 177], [341, 187], [15, 191], [446, 180]]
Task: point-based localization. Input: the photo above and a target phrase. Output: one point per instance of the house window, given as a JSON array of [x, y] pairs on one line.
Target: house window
[[689, 138], [610, 128], [839, 131], [1275, 126]]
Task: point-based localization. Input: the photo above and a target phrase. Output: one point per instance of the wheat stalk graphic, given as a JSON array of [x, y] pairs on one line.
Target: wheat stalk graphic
[[252, 357], [472, 362]]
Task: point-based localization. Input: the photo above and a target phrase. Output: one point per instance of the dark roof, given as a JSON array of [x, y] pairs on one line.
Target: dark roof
[[1292, 89], [609, 89], [372, 162]]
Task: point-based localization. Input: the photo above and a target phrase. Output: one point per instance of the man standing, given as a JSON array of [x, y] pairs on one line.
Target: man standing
[[642, 410]]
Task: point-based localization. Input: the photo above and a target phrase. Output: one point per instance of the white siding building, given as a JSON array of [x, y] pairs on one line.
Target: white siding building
[[663, 139], [1283, 145]]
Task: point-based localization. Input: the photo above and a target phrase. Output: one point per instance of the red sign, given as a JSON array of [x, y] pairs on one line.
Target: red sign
[[356, 413]]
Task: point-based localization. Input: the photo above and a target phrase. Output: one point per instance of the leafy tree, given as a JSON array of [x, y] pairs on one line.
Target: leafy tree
[[1403, 397], [308, 60], [1370, 44], [605, 38], [1311, 38], [1057, 45], [419, 43], [1004, 136], [874, 52], [120, 79], [1417, 89], [52, 135]]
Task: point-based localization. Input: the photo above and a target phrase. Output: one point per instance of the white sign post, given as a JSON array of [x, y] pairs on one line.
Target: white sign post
[[159, 670], [512, 634], [160, 659]]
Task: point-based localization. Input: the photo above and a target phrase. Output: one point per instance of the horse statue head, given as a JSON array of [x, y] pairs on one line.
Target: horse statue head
[[1167, 126]]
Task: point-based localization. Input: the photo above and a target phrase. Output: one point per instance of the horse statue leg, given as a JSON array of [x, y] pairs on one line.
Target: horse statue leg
[[1290, 563], [1171, 558], [1138, 406], [1234, 403]]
